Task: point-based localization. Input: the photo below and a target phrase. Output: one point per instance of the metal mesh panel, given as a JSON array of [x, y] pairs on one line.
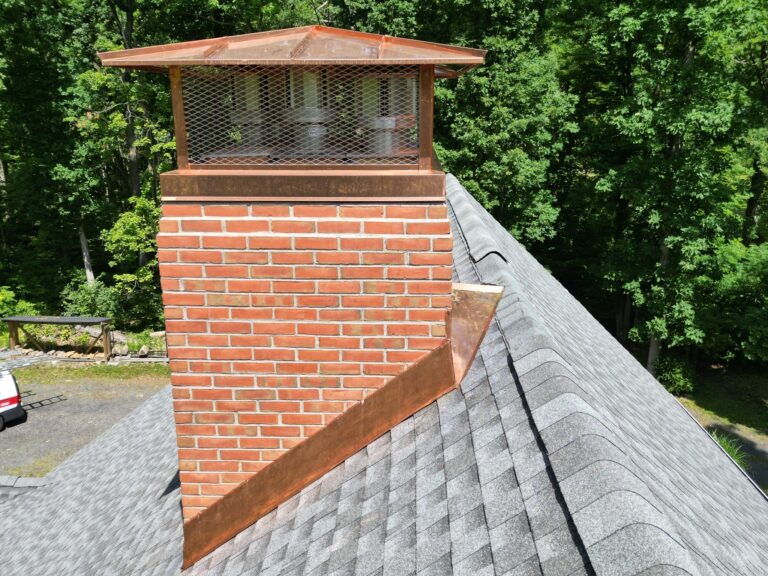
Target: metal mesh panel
[[302, 115]]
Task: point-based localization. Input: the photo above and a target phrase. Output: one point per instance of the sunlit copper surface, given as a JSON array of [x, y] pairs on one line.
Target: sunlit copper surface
[[308, 184], [316, 45], [472, 309]]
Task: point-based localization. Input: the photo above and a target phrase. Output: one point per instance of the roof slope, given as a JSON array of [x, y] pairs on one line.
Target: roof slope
[[558, 455]]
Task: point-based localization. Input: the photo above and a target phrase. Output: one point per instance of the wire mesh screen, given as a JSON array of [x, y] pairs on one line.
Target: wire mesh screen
[[302, 115]]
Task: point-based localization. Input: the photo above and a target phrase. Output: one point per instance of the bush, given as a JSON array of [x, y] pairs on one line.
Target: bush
[[81, 298], [10, 306], [733, 447], [675, 375]]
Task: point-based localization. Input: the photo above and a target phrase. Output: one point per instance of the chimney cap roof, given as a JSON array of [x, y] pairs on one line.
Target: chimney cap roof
[[304, 46]]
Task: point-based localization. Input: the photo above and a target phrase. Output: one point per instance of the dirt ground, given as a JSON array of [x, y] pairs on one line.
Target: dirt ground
[[69, 407]]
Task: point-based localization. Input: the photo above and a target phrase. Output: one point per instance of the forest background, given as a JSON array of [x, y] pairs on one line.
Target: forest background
[[625, 144]]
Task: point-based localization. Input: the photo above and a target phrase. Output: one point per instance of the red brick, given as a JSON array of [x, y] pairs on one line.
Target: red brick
[[246, 257], [407, 212], [278, 381], [338, 227], [232, 242], [206, 256], [364, 329], [182, 299], [383, 258], [228, 300], [249, 286], [438, 212], [324, 329], [178, 352], [201, 225], [407, 273], [208, 340], [192, 406], [296, 367], [247, 226], [232, 380], [255, 393], [226, 271], [315, 243], [315, 272], [181, 270], [293, 226], [386, 228], [295, 314], [432, 228], [373, 287], [385, 343], [339, 368], [280, 406], [361, 212], [310, 211], [363, 356], [303, 287], [442, 273], [407, 329], [338, 287], [318, 301], [362, 272], [271, 210], [194, 285], [425, 343], [371, 244], [185, 326], [323, 406], [338, 342], [166, 241], [230, 327], [272, 300], [230, 354], [295, 341], [271, 272], [418, 244], [319, 355], [363, 301], [179, 210], [385, 314], [225, 211], [341, 315], [442, 244], [211, 394], [298, 394], [343, 395], [207, 313], [436, 287], [431, 259], [320, 381], [293, 258], [274, 328], [405, 355], [301, 419], [269, 242], [258, 418], [338, 257]]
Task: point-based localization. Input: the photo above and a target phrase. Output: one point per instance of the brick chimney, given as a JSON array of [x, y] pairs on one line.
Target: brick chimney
[[305, 248], [282, 315]]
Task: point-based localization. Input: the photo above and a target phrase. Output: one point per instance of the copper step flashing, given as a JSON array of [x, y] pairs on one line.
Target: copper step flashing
[[472, 309], [434, 375]]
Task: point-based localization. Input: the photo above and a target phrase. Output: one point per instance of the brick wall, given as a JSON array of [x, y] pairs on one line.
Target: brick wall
[[279, 317]]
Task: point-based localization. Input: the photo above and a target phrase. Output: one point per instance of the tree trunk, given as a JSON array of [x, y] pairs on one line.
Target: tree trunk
[[751, 215], [86, 256], [654, 347]]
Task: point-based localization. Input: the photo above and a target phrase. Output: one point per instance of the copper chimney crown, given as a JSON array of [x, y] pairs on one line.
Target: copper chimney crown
[[304, 99]]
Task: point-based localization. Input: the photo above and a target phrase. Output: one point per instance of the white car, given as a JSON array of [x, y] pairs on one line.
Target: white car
[[10, 400]]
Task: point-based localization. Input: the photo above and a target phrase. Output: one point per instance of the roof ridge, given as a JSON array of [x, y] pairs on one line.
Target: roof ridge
[[612, 507]]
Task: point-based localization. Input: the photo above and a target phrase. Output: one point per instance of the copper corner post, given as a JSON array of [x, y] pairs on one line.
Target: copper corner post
[[436, 374]]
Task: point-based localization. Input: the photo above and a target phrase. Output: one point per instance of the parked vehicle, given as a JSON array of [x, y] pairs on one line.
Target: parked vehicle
[[10, 400]]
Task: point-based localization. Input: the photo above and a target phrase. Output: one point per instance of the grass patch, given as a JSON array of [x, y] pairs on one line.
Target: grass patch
[[733, 397], [733, 447], [38, 467], [51, 374]]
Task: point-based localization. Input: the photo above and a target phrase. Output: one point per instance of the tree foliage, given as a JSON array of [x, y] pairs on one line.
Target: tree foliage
[[626, 144]]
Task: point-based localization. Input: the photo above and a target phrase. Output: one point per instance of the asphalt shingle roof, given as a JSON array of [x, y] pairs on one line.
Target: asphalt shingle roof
[[558, 455]]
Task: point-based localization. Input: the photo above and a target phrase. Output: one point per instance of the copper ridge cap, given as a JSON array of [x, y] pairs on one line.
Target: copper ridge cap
[[302, 46], [421, 384]]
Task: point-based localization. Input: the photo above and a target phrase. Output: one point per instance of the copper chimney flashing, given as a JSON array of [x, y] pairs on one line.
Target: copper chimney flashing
[[423, 383]]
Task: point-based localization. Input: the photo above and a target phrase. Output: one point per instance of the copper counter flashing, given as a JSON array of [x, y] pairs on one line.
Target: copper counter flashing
[[308, 185], [400, 398]]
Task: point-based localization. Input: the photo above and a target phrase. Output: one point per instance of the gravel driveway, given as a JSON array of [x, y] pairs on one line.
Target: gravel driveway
[[67, 408]]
